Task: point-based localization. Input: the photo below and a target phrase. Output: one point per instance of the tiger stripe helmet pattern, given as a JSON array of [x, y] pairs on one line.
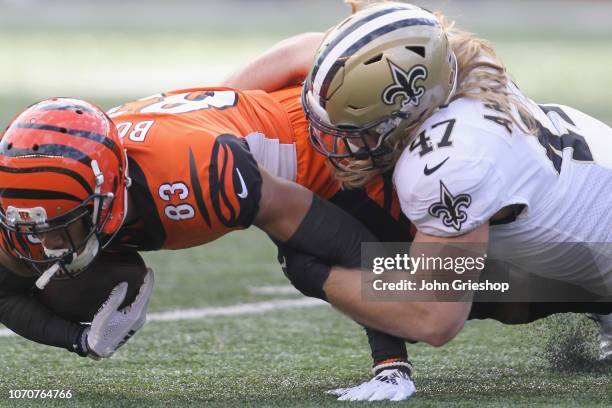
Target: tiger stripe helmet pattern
[[61, 160], [376, 73]]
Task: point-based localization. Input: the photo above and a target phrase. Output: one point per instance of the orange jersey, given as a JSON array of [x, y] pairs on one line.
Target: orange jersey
[[193, 178], [193, 157]]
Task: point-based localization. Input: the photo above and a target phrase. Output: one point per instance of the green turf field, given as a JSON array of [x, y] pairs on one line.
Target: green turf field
[[289, 355]]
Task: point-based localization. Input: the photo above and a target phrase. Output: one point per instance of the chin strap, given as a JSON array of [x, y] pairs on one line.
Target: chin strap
[[455, 68], [87, 255], [78, 263], [46, 276], [99, 181]]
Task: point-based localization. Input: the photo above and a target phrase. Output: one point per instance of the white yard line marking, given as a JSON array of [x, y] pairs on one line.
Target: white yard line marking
[[233, 310], [274, 290]]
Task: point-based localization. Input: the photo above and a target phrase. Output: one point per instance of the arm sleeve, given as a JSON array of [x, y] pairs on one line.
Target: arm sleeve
[[454, 200], [235, 182], [21, 312], [330, 233]]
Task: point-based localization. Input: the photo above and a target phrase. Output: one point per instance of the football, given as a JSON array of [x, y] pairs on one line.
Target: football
[[79, 298]]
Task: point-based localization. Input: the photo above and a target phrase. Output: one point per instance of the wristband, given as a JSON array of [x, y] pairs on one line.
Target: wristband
[[79, 345]]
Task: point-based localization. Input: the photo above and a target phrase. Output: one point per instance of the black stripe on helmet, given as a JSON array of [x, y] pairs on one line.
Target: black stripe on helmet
[[348, 30], [61, 104], [96, 137], [46, 150], [32, 194], [49, 169], [339, 63]]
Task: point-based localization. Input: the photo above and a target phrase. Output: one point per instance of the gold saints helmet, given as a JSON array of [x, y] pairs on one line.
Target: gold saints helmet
[[376, 73]]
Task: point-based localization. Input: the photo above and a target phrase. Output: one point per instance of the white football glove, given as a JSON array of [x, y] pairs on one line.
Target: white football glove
[[392, 384], [112, 327]]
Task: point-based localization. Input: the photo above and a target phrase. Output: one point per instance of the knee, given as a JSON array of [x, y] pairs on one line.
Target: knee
[[439, 335], [435, 327]]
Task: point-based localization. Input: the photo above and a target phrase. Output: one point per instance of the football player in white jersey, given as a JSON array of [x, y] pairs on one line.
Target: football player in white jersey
[[474, 160]]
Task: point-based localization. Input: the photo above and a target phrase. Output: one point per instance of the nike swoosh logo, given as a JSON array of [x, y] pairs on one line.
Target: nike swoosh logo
[[429, 171], [244, 193]]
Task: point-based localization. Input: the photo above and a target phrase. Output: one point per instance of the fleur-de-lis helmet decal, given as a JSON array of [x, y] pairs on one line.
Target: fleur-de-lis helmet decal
[[405, 85], [450, 208]]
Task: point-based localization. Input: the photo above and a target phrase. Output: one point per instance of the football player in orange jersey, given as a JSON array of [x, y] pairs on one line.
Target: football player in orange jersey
[[64, 194]]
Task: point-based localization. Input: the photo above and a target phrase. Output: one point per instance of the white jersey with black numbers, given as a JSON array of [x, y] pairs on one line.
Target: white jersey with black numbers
[[468, 162]]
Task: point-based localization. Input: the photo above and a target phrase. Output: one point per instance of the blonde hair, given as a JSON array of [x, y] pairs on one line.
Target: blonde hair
[[481, 76]]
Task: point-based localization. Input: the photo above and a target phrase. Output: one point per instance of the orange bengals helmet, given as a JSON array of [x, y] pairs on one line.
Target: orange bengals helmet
[[62, 161]]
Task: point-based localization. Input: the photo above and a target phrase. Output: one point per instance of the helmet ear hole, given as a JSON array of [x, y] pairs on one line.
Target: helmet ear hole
[[373, 59], [419, 50]]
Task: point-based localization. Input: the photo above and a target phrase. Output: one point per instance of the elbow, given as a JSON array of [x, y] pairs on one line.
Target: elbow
[[301, 50]]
